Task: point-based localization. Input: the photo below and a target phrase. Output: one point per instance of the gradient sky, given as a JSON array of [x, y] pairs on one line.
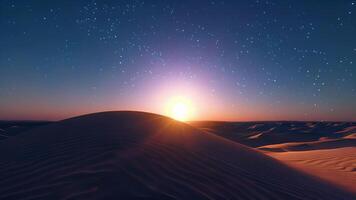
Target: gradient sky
[[233, 60]]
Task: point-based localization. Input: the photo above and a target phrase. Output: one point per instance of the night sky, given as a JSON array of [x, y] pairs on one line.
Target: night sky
[[234, 60]]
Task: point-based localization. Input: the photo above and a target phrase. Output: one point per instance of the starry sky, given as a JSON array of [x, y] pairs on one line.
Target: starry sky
[[234, 60]]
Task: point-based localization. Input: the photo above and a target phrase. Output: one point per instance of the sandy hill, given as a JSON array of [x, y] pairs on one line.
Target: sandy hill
[[134, 155], [326, 150], [337, 165]]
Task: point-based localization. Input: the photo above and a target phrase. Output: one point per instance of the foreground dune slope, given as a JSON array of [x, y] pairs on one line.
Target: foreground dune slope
[[133, 155]]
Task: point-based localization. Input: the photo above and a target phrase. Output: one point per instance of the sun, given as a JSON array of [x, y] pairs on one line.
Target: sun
[[179, 107], [180, 111]]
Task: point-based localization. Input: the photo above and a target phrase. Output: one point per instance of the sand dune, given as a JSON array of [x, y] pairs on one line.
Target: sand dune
[[12, 128], [347, 141], [335, 165], [132, 155], [348, 130], [257, 134], [323, 149]]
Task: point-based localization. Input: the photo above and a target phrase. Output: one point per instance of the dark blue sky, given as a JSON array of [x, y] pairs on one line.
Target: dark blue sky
[[234, 60]]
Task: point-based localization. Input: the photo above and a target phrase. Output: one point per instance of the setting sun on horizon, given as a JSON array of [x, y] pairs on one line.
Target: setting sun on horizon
[[180, 108], [180, 111]]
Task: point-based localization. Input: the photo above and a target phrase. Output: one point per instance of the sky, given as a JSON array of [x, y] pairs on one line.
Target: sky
[[231, 60]]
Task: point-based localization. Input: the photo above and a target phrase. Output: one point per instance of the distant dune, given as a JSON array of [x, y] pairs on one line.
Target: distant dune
[[12, 128], [347, 141], [257, 134], [134, 155]]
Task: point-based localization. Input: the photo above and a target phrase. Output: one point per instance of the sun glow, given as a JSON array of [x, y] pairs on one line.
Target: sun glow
[[180, 109]]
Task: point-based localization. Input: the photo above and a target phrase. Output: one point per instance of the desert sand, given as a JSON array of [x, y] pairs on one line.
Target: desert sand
[[135, 155], [335, 165], [325, 150]]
